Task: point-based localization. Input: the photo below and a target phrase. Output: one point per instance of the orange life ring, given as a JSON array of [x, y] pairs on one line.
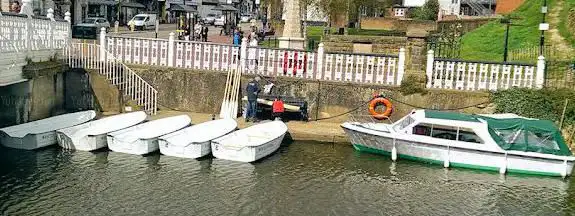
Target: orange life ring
[[377, 101]]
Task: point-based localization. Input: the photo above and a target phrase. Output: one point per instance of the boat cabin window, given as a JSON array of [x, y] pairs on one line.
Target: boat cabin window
[[447, 132], [404, 123]]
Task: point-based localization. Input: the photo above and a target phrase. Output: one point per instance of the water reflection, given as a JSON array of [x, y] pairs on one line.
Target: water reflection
[[299, 179]]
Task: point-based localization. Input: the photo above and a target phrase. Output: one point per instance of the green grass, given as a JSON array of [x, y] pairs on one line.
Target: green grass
[[487, 42], [568, 34]]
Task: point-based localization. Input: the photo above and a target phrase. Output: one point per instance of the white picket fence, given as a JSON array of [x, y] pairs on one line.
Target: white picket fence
[[340, 67], [93, 57], [475, 75], [26, 33], [320, 65]]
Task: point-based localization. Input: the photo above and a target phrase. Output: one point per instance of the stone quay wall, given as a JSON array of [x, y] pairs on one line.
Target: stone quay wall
[[202, 91]]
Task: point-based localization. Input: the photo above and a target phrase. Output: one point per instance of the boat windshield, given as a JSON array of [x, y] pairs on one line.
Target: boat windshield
[[403, 123]]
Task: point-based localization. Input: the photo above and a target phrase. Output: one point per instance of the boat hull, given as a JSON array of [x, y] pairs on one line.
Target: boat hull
[[193, 150], [30, 141], [138, 147], [84, 143], [247, 153], [459, 157]]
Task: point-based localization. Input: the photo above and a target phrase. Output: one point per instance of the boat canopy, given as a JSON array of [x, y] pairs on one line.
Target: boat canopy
[[519, 133]]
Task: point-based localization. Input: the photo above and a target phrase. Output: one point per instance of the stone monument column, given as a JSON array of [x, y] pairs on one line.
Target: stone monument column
[[292, 36]]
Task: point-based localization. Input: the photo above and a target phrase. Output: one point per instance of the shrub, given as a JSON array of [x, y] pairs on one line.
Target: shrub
[[428, 11]]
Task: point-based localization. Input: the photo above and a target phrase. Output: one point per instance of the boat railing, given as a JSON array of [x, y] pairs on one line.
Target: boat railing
[[366, 118]]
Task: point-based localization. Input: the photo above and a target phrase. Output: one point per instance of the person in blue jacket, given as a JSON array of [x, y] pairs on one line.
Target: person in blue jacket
[[252, 90], [237, 39]]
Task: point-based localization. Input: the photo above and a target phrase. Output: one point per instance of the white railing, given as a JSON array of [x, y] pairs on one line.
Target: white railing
[[93, 57], [475, 75], [320, 65], [29, 33]]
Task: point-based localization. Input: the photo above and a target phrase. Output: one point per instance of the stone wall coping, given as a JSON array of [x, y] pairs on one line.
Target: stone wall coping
[[47, 68]]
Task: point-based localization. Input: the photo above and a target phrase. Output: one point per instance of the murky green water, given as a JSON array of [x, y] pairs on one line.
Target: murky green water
[[300, 179]]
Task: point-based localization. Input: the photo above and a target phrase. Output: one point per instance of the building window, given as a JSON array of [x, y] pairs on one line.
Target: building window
[[447, 132], [454, 1], [399, 12]]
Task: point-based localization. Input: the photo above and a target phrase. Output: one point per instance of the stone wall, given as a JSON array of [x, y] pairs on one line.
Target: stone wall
[[202, 91], [462, 26], [40, 97], [383, 23], [53, 89], [380, 44], [415, 47]]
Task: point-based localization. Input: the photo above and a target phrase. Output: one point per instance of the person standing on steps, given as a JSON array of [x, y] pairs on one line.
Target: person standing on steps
[[252, 89]]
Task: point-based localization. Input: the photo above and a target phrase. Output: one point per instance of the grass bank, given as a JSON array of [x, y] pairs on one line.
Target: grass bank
[[567, 17], [487, 41]]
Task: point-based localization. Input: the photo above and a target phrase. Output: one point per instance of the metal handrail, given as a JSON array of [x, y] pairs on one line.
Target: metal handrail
[[146, 95]]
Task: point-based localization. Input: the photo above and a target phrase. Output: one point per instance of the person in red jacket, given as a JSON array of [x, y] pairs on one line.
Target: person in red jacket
[[277, 108]]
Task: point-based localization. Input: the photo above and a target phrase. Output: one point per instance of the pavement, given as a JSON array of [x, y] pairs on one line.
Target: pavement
[[165, 29], [317, 131]]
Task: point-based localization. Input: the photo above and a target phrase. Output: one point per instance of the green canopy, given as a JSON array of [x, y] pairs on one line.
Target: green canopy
[[520, 134]]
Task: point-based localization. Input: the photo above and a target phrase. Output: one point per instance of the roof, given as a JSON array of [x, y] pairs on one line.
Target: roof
[[132, 5], [225, 7], [450, 116], [514, 132], [483, 2], [182, 8], [210, 2], [102, 2]]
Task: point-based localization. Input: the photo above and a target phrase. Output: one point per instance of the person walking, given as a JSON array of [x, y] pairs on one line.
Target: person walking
[[197, 31], [252, 89], [205, 33]]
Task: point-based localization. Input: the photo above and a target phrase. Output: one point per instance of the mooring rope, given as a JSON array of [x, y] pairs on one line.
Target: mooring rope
[[404, 103]]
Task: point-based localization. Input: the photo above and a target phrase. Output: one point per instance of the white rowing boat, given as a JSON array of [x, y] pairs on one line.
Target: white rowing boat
[[41, 133], [143, 139], [195, 141], [250, 144], [502, 142], [92, 135]]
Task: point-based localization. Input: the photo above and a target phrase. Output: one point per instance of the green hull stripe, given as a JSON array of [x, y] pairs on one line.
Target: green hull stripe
[[460, 165]]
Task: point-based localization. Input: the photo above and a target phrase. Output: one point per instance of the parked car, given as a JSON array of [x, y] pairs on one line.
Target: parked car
[[220, 22], [245, 18], [210, 19], [95, 22], [143, 21]]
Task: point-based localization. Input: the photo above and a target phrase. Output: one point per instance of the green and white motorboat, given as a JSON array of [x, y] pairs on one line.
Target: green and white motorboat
[[497, 142]]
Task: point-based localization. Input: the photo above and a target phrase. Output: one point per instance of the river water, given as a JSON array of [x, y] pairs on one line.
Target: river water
[[300, 179]]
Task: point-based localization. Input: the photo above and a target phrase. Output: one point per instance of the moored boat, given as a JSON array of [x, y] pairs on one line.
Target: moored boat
[[143, 139], [195, 141], [250, 144], [501, 142], [41, 133], [92, 135]]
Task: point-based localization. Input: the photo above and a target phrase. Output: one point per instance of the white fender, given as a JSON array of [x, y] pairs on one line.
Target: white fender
[[564, 172], [503, 167], [446, 161], [394, 152]]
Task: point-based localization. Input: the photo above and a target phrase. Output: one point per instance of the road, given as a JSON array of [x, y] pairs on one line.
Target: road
[[165, 29]]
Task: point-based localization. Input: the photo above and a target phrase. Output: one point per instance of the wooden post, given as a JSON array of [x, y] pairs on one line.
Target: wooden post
[[563, 115], [429, 68]]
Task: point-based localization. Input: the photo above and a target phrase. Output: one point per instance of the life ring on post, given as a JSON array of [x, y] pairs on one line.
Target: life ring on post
[[380, 101]]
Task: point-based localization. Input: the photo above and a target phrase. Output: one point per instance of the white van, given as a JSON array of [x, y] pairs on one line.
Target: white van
[[143, 21]]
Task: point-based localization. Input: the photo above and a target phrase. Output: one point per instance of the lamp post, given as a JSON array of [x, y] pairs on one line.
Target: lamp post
[[543, 27], [507, 22]]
